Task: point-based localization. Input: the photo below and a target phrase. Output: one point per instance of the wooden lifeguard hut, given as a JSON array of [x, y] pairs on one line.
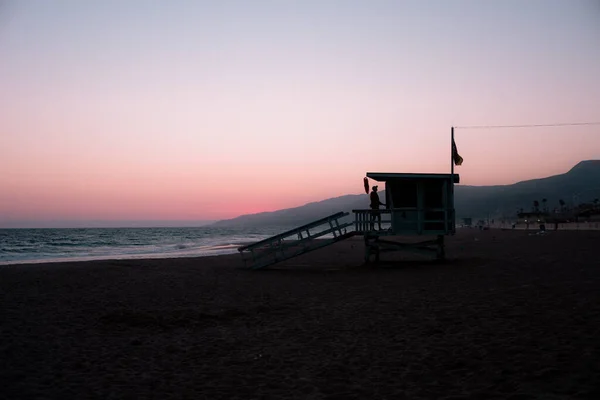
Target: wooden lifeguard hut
[[417, 206]]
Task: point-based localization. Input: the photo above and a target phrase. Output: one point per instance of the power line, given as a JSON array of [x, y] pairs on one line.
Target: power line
[[526, 126]]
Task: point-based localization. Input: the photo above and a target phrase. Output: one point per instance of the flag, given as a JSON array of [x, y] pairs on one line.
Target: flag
[[455, 156]]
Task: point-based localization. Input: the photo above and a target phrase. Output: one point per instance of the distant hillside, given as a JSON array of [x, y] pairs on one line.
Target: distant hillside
[[582, 181], [296, 216], [470, 201]]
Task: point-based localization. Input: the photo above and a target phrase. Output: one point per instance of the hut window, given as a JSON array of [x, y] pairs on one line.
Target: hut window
[[433, 193], [404, 193]]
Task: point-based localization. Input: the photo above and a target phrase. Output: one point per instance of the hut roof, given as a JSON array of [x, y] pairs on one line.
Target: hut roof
[[389, 176]]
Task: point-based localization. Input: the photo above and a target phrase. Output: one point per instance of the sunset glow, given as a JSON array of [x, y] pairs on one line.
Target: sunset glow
[[208, 110]]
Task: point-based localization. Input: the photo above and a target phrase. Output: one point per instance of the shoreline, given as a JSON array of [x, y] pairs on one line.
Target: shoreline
[[133, 257], [225, 249], [232, 248], [206, 251]]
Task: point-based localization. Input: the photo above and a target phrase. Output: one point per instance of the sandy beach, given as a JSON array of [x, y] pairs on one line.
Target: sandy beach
[[510, 315]]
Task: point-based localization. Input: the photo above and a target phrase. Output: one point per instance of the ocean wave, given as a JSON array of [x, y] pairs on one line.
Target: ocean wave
[[48, 245]]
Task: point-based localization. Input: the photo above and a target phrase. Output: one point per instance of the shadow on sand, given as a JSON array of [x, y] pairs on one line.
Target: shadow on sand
[[383, 266]]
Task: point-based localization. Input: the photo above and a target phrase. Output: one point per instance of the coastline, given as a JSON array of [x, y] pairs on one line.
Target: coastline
[[209, 252], [227, 248]]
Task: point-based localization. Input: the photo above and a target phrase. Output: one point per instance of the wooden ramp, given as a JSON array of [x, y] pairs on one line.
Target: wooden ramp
[[295, 241]]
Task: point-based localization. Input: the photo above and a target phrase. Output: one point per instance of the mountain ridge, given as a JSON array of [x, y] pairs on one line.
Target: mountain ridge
[[495, 201]]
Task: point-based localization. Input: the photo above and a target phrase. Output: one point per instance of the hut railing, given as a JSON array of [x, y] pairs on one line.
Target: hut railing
[[406, 220]]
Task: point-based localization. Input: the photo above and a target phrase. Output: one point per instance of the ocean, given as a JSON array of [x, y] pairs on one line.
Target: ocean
[[18, 246]]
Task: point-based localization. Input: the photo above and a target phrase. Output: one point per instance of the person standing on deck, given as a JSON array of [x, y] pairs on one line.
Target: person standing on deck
[[375, 203]]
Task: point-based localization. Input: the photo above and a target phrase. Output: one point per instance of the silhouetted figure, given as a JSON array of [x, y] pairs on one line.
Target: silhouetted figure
[[375, 203]]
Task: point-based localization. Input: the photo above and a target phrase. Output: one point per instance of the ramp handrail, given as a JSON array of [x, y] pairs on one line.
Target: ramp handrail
[[279, 247], [293, 231]]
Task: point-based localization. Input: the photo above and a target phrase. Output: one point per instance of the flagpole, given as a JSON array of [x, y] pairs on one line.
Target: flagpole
[[452, 154], [452, 176]]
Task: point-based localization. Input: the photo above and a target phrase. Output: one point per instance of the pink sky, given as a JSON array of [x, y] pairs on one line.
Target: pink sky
[[122, 111]]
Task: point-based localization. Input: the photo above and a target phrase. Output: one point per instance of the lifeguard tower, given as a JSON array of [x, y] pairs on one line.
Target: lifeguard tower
[[418, 206]]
